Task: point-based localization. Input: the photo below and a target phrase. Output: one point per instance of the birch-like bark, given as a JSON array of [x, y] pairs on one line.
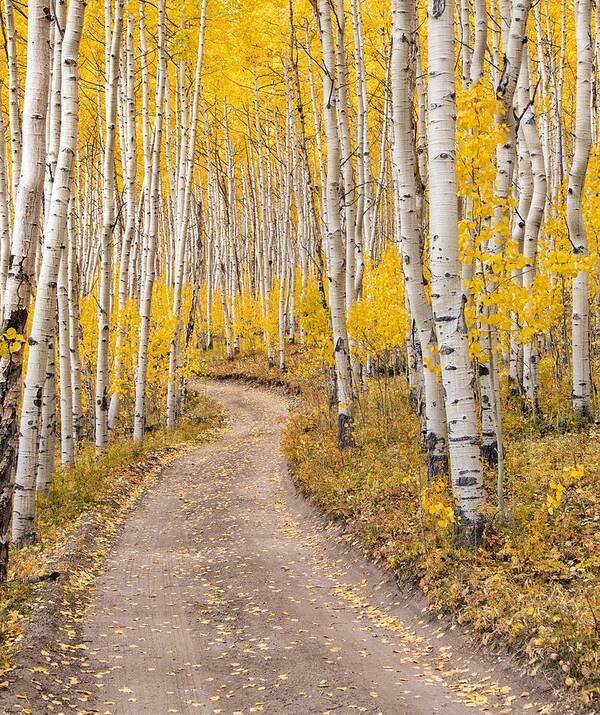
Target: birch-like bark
[[376, 233], [448, 299], [14, 112], [364, 208], [544, 87], [108, 226], [480, 45], [53, 124], [514, 32], [532, 223], [505, 151], [47, 435], [525, 192], [74, 327], [4, 214], [405, 160], [47, 440], [466, 47], [335, 237], [182, 224], [23, 246], [44, 317], [139, 423], [582, 388], [318, 131], [131, 208], [64, 361]]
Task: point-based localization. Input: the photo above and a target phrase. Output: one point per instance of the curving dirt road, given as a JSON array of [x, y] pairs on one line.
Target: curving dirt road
[[226, 593]]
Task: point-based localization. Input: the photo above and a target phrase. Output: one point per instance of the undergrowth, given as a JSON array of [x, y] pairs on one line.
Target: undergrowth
[[533, 584], [101, 487]]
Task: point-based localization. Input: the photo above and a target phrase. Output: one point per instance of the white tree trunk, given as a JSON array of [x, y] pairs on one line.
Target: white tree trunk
[[364, 208], [23, 246], [64, 357], [525, 192], [583, 137], [44, 320], [4, 215], [149, 268], [74, 327], [335, 238], [14, 112], [446, 291], [532, 223], [108, 221], [130, 151], [182, 224], [47, 441], [405, 160]]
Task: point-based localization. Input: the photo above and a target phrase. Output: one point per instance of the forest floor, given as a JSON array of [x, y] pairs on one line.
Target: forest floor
[[225, 592]]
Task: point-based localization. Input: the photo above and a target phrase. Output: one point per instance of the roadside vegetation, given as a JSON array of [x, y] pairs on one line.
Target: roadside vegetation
[[532, 586]]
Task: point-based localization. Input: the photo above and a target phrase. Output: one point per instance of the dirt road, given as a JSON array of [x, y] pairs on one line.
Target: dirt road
[[225, 593]]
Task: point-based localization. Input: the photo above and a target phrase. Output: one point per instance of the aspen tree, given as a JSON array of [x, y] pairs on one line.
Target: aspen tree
[[14, 113], [227, 234], [131, 209], [403, 81], [149, 267], [44, 316], [263, 235], [182, 224], [309, 206], [335, 237], [47, 434], [466, 46], [23, 246], [448, 299], [64, 357], [317, 121], [54, 118], [346, 154], [108, 221], [74, 327], [525, 192], [383, 161], [364, 207], [545, 119], [514, 29], [221, 261], [515, 41], [209, 293], [577, 230], [4, 214], [533, 220], [480, 45], [352, 197], [284, 251], [476, 73]]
